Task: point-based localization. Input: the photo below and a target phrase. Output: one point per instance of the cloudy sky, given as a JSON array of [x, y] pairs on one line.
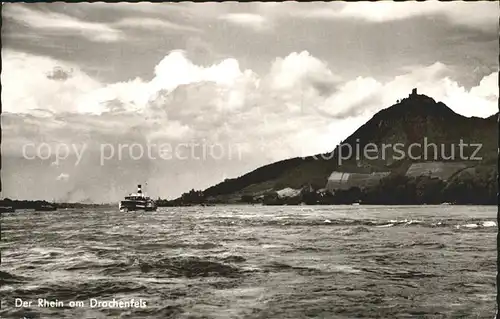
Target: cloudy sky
[[243, 84]]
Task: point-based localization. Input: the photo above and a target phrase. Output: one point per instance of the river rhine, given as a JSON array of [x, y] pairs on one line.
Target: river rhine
[[252, 262]]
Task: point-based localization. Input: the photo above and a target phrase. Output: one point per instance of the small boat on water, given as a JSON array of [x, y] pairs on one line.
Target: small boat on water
[[45, 208], [137, 201]]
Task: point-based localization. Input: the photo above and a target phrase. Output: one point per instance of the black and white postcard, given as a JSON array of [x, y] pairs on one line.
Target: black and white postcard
[[249, 160]]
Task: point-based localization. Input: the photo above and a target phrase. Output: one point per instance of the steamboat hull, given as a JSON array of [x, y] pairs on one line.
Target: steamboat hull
[[137, 205]]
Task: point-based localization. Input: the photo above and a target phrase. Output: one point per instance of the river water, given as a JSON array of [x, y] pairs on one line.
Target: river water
[[252, 262]]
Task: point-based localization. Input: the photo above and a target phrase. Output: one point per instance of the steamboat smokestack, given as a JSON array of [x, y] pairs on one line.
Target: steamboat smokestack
[[139, 189]]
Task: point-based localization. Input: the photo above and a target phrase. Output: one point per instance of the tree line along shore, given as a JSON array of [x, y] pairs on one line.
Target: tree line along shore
[[470, 189]]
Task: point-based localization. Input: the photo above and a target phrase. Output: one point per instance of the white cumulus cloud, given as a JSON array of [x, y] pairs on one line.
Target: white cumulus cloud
[[292, 104], [27, 84]]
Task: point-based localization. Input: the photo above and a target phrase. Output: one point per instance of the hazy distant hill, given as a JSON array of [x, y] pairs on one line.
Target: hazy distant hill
[[409, 121]]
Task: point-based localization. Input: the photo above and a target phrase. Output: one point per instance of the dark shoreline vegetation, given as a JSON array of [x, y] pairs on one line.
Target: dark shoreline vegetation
[[10, 205], [467, 189]]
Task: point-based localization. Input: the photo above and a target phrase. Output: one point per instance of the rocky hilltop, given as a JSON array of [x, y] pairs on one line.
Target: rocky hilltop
[[453, 154]]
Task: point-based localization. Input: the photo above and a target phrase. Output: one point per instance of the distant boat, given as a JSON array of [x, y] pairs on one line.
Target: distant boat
[[45, 208], [137, 201]]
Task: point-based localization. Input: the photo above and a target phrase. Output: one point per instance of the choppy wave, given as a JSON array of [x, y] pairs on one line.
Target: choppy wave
[[189, 267], [366, 223], [7, 278]]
